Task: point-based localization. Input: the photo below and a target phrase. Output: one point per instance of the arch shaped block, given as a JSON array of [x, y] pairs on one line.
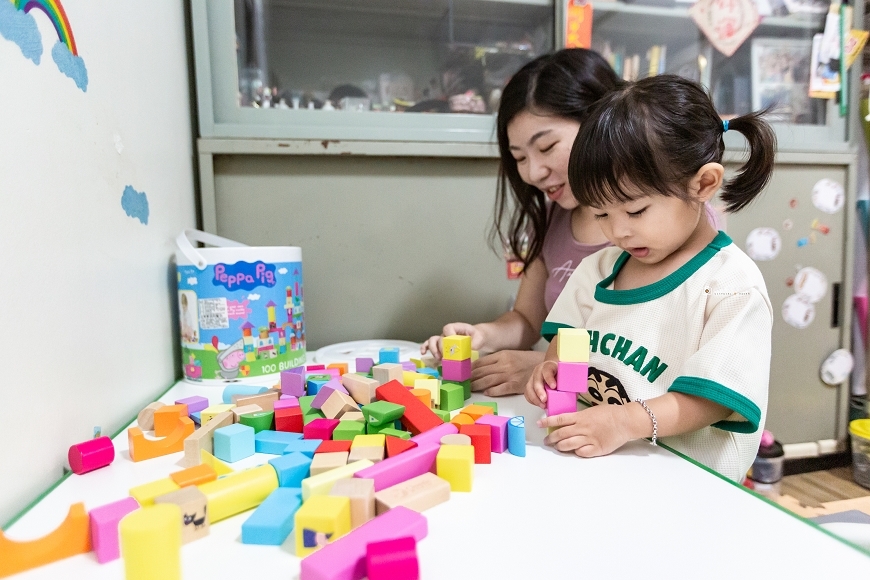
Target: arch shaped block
[[142, 448], [71, 537]]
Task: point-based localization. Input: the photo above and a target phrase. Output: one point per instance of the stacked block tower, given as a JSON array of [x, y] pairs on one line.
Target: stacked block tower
[[573, 370]]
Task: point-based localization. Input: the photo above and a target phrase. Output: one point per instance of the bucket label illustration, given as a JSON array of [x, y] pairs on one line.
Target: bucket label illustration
[[242, 319]]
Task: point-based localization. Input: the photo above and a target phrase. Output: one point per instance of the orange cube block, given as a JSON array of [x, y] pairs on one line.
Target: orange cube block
[[425, 396], [462, 419], [166, 418], [477, 411], [202, 473], [342, 368]]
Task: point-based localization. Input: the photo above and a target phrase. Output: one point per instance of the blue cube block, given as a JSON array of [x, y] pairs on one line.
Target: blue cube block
[[234, 442], [388, 355], [274, 442], [272, 521], [291, 469], [304, 446], [315, 383], [431, 372]]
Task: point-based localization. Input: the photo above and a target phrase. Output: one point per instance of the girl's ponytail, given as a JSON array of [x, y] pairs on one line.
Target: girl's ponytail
[[739, 191]]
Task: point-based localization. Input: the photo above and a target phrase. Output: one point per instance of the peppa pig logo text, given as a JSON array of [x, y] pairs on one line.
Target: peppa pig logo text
[[244, 276]]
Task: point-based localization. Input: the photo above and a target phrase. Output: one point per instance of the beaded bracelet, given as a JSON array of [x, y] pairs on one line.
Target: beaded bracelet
[[651, 416]]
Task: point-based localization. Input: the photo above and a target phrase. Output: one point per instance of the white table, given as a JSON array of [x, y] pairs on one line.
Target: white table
[[641, 512]]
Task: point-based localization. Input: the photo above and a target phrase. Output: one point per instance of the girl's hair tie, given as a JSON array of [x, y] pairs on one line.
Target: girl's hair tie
[[724, 126]]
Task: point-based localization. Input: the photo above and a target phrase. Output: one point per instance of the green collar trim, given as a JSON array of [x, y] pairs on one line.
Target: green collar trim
[[663, 286], [718, 393], [551, 329]]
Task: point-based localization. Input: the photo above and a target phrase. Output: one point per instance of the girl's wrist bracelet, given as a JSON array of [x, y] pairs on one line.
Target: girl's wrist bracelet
[[652, 416]]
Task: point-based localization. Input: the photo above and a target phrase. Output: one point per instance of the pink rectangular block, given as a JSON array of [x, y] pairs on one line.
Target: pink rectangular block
[[310, 368], [435, 434], [319, 429], [194, 404], [286, 402], [364, 365], [292, 383], [498, 431], [325, 391], [393, 559], [333, 372], [104, 528], [559, 402], [345, 558], [401, 467], [456, 370], [571, 377]]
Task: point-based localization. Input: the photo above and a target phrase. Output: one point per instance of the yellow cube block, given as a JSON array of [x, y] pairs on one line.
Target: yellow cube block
[[456, 347], [151, 542], [146, 492], [474, 355], [368, 441], [320, 520], [455, 463], [321, 484], [409, 377], [431, 385], [210, 412], [418, 363], [573, 345]]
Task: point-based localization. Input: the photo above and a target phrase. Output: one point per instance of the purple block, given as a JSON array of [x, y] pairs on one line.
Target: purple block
[[435, 434], [401, 467], [364, 365], [456, 370], [498, 431], [297, 370], [286, 402], [293, 383], [194, 404], [104, 528], [325, 392], [572, 377], [559, 402], [409, 366]]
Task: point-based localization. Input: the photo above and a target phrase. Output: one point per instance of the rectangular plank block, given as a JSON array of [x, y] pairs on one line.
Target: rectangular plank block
[[418, 493], [272, 521], [417, 417]]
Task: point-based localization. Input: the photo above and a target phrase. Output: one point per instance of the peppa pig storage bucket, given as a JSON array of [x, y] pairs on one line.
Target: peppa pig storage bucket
[[240, 310]]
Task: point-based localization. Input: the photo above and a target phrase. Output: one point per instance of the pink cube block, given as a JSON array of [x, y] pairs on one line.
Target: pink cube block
[[104, 528], [194, 404], [90, 455], [401, 467], [393, 559], [571, 377], [559, 402], [333, 372], [292, 383], [456, 370], [498, 431], [319, 429], [286, 402], [345, 558]]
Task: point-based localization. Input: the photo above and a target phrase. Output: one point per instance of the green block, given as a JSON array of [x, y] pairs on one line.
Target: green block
[[452, 396], [466, 389], [311, 416], [347, 430], [261, 421], [443, 415], [378, 429], [491, 404], [382, 413], [305, 403], [396, 433]]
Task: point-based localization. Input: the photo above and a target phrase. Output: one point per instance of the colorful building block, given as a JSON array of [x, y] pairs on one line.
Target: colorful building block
[[361, 493], [320, 520], [292, 383], [344, 559], [491, 404], [368, 441], [452, 396], [219, 466], [265, 400], [461, 419], [559, 402], [234, 442], [424, 396], [206, 414], [417, 417], [240, 390], [572, 345], [274, 442], [443, 415], [498, 431], [322, 462], [322, 483], [477, 411], [333, 446], [348, 430], [260, 421], [193, 505], [516, 434], [320, 429], [382, 413], [384, 373], [341, 367], [90, 455], [353, 416], [431, 385], [291, 469], [431, 372], [338, 404], [194, 404], [203, 439], [196, 475], [364, 365], [145, 493], [289, 420], [303, 446], [456, 370], [272, 521], [314, 368], [315, 382], [393, 560], [286, 402], [104, 528], [146, 533], [455, 463], [572, 377], [360, 388], [145, 418], [401, 467], [239, 491], [392, 432], [481, 440], [456, 439], [433, 436], [325, 392], [141, 448], [396, 445], [71, 537], [388, 355], [246, 410], [418, 493], [373, 454], [456, 348]]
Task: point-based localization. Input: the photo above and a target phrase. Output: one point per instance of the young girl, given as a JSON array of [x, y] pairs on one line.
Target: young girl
[[678, 316]]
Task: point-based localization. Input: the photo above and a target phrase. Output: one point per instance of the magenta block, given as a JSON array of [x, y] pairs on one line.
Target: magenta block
[[364, 365], [345, 558], [571, 377], [286, 402], [435, 434], [293, 383], [91, 455], [194, 404], [393, 559], [104, 528], [325, 392], [319, 429], [310, 368], [401, 467], [408, 366], [456, 370], [559, 402], [498, 431]]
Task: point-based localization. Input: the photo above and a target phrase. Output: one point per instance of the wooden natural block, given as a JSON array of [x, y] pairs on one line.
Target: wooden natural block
[[361, 389], [203, 439], [145, 419], [353, 416], [193, 505], [325, 461], [337, 405], [361, 493], [418, 493], [373, 454], [387, 372], [456, 439], [266, 401], [245, 410]]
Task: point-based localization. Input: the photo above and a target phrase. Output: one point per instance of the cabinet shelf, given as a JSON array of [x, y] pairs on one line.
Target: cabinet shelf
[[806, 21]]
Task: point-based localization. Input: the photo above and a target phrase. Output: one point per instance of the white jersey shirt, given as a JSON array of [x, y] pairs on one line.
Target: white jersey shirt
[[704, 330]]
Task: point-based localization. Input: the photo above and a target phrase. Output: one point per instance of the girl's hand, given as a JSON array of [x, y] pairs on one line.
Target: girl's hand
[[434, 344], [505, 372], [592, 432], [543, 377]]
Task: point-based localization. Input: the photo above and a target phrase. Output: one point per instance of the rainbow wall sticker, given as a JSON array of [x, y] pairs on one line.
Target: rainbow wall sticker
[[18, 25]]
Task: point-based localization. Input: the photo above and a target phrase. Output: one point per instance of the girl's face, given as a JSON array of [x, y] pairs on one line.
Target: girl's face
[[541, 146]]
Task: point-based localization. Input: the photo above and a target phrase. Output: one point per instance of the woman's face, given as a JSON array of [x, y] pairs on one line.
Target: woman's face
[[541, 146]]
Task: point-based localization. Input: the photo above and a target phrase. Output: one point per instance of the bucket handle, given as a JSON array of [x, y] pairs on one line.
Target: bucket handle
[[183, 242]]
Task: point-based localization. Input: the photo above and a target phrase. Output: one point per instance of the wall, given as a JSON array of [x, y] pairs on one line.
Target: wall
[[96, 179]]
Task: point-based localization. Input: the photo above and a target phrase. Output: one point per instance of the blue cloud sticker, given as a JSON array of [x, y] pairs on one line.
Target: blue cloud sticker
[[135, 203], [71, 65], [20, 28]]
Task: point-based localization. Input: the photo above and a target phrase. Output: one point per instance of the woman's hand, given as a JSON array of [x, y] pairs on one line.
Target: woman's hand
[[543, 378], [434, 344], [505, 372], [592, 432]]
